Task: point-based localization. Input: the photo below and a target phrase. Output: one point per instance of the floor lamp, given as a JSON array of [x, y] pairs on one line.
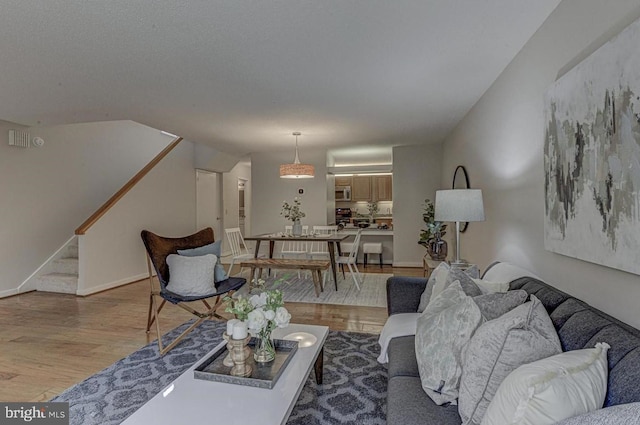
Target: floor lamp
[[459, 205]]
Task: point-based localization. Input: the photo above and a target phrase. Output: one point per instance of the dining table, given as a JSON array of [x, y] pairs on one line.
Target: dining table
[[333, 241]]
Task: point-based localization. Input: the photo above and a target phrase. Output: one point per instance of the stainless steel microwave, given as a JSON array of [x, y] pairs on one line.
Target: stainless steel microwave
[[343, 193]]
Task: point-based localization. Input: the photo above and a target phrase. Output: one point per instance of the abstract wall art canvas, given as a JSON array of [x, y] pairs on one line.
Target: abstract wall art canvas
[[592, 157]]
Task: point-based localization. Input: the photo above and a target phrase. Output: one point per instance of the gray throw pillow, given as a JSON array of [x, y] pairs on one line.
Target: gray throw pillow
[[522, 335], [214, 248], [442, 330], [495, 305], [468, 285], [191, 276], [443, 276], [473, 272]]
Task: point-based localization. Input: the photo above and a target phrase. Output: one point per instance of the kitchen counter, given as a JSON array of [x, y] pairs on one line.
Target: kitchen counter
[[370, 231], [372, 234]]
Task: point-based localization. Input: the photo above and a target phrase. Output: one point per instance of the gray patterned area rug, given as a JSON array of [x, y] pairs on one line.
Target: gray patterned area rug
[[354, 388], [372, 293]]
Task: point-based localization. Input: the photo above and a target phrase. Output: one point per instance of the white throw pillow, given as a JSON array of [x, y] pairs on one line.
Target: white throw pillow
[[552, 389], [442, 330], [191, 276], [488, 287], [522, 335]]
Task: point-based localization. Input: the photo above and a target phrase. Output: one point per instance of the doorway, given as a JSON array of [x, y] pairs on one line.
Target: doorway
[[209, 201], [241, 205]]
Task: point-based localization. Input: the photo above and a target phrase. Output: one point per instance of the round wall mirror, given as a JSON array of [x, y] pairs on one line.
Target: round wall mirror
[[461, 181]]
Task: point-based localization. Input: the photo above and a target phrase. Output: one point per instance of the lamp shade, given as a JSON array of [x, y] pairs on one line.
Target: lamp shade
[[297, 171], [460, 205]]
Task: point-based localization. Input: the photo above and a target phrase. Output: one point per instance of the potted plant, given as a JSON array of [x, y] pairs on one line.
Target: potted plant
[[293, 213], [431, 237]]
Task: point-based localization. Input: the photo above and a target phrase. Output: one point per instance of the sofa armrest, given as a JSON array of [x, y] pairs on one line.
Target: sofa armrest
[[403, 294]]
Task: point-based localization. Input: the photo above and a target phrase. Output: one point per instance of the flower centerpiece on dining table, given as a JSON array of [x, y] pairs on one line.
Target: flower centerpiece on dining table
[[262, 313], [294, 213]]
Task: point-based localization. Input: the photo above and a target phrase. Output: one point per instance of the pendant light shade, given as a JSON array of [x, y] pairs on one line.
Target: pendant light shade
[[297, 170]]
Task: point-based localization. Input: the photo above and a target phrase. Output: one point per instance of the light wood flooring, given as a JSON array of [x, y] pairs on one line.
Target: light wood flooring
[[50, 342]]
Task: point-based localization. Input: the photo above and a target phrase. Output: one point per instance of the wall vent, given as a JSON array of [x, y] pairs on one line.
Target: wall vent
[[19, 138]]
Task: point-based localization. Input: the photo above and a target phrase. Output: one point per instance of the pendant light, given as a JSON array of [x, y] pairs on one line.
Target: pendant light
[[297, 170]]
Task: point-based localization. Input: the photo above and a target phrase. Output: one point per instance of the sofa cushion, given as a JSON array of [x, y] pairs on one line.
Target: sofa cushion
[[628, 414], [407, 404], [624, 354], [498, 347], [443, 329], [402, 357], [552, 389]]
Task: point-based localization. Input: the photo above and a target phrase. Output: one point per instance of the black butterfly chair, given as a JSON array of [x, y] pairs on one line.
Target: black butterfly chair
[[158, 248]]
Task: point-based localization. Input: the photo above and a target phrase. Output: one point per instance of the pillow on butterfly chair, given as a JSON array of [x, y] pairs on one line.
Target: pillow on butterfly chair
[[191, 276]]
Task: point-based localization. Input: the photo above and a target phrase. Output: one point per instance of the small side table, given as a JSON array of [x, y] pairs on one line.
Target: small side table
[[428, 265]]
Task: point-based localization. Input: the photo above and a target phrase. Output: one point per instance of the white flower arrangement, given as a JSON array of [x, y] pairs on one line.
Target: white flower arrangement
[[262, 312]]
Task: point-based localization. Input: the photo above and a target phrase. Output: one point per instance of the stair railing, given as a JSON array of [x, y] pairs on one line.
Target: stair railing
[[126, 188]]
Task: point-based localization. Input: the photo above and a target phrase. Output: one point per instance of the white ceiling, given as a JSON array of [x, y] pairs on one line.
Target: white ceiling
[[242, 75]]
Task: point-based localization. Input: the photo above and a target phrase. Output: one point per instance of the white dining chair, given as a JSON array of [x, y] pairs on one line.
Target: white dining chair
[[294, 248], [320, 249], [351, 261], [239, 250]]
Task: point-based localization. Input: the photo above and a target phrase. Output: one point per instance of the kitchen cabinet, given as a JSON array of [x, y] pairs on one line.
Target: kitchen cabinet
[[382, 188], [343, 181], [361, 188]]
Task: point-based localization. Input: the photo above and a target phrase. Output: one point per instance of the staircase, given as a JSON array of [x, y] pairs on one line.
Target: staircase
[[61, 274]]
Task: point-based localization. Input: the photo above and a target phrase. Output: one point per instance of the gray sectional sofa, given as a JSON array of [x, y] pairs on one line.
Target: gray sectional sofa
[[578, 324]]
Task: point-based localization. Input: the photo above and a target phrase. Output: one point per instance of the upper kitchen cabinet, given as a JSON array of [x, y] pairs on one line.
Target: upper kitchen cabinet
[[361, 188], [382, 188], [343, 181]]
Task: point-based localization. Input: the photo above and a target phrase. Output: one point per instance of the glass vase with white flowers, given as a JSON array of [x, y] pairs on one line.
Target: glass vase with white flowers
[[262, 312]]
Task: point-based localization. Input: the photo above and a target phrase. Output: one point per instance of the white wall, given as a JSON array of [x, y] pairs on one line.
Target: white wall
[[230, 203], [269, 190], [47, 192], [500, 142], [164, 202], [416, 177]]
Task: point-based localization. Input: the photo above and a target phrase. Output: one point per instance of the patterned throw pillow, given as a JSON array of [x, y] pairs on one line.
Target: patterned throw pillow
[[440, 273], [522, 335], [442, 330]]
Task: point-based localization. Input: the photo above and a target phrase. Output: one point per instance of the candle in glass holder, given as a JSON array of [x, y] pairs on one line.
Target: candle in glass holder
[[230, 324], [239, 330]]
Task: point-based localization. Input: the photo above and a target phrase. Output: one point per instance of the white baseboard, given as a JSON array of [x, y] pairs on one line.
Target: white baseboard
[[110, 285], [9, 292], [407, 264]]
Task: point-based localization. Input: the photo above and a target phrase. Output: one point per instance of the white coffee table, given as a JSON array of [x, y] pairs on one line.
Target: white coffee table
[[190, 400]]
